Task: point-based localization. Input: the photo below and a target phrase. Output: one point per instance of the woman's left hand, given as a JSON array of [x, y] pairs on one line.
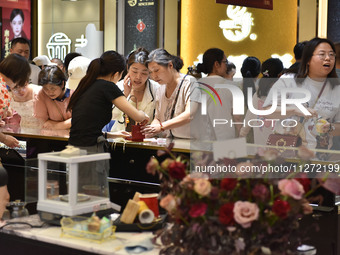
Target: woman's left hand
[[151, 130]]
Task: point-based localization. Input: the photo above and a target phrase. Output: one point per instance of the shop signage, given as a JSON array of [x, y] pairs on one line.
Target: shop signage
[[140, 26], [58, 46], [262, 4], [239, 24]]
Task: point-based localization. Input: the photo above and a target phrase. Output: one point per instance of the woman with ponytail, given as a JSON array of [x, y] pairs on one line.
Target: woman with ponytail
[[215, 66], [250, 70], [92, 101], [176, 100], [91, 106]]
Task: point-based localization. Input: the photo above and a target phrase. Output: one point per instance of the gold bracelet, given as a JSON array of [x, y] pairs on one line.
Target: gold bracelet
[[162, 128]]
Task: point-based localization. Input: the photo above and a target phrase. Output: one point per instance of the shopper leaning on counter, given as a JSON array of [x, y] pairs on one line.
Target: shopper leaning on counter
[[92, 102], [4, 195], [138, 88], [14, 79], [177, 99], [316, 74], [91, 106], [23, 94], [53, 99]]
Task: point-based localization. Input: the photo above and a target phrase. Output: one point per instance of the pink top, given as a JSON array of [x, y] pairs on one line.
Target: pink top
[[5, 99], [47, 109]]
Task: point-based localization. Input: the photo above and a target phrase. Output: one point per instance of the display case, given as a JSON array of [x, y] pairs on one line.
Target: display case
[[86, 184]]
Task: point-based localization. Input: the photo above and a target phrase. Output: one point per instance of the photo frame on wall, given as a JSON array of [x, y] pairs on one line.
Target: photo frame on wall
[[16, 22]]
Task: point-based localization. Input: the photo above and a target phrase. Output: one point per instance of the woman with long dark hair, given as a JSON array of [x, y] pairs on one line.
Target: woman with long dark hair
[[316, 74]]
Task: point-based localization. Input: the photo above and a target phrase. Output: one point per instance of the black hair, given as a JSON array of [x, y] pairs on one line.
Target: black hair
[[52, 75], [163, 58], [271, 70], [68, 58], [298, 50], [110, 62], [250, 69], [21, 40], [308, 52], [16, 12], [17, 68], [210, 56]]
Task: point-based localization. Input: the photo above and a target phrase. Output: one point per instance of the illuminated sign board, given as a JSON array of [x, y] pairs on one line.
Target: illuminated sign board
[[262, 4]]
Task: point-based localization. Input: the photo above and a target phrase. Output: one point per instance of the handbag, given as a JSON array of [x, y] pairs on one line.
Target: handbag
[[286, 140]]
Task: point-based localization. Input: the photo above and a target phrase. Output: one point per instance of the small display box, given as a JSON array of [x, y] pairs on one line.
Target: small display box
[[85, 187]]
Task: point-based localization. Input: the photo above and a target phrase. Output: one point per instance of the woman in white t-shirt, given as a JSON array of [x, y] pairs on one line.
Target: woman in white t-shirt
[[138, 88], [317, 72], [176, 100]]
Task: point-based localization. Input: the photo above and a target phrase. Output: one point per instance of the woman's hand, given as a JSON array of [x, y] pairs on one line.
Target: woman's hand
[[10, 141], [127, 85], [313, 113], [151, 130], [145, 120], [117, 134]]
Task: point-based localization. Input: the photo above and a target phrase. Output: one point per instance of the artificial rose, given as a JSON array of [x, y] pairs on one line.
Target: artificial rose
[[260, 191], [228, 184], [332, 183], [226, 214], [152, 166], [165, 164], [198, 210], [245, 213], [202, 187], [177, 170], [281, 208], [168, 203], [291, 188]]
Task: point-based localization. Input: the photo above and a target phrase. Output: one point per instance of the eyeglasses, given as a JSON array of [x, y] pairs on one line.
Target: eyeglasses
[[323, 55]]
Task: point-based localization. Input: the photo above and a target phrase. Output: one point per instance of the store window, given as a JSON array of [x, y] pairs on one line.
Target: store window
[[69, 26]]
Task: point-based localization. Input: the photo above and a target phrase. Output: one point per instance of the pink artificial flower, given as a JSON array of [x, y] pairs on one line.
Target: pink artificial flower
[[168, 203], [291, 188], [332, 183], [198, 210], [202, 187], [152, 166], [245, 213]]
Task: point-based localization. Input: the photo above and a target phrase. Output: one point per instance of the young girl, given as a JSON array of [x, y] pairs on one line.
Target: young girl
[[53, 99], [177, 99], [138, 88]]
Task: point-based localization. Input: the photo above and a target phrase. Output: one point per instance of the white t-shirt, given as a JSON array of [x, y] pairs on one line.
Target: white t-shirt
[[327, 107], [187, 93], [262, 127]]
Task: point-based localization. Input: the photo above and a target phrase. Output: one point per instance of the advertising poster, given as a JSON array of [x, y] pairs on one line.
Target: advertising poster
[[140, 25], [16, 22]]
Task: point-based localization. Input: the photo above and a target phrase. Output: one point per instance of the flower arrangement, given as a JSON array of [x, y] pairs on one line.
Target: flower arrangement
[[233, 214]]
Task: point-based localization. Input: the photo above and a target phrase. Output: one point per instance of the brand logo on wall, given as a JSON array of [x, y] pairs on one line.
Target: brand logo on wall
[[239, 24], [140, 26], [132, 2], [58, 46]]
